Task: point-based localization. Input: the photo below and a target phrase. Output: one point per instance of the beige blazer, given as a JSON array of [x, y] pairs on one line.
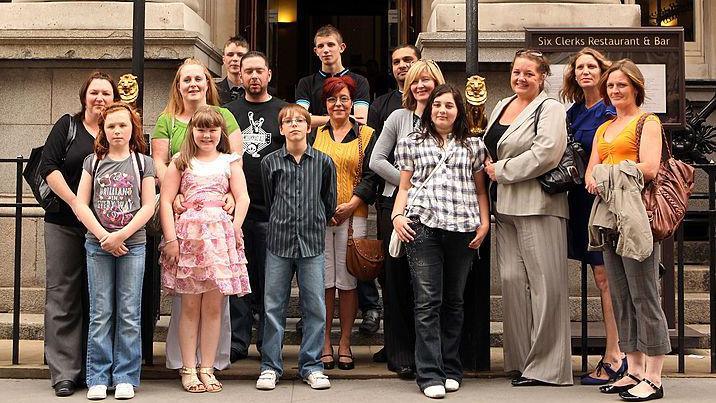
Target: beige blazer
[[523, 156]]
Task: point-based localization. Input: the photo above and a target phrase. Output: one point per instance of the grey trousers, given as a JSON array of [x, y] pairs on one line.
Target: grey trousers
[[634, 287], [66, 302], [532, 257]]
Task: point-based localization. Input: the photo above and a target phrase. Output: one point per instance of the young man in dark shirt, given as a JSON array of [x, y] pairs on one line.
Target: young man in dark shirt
[[257, 112], [230, 87], [300, 192], [328, 48]]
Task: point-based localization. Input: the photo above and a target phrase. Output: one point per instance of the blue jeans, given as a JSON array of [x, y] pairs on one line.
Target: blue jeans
[[277, 290], [440, 262], [114, 345]]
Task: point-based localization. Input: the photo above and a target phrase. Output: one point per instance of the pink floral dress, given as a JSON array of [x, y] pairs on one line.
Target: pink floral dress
[[211, 255]]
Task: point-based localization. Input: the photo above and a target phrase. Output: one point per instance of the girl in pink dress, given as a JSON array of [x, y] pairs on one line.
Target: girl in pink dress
[[203, 253]]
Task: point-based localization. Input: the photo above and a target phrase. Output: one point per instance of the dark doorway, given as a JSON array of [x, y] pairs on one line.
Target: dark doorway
[[369, 29]]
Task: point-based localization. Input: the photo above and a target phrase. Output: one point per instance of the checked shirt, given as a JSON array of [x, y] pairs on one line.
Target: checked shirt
[[449, 200]]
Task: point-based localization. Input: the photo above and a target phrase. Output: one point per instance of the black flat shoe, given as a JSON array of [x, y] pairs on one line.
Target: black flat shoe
[[236, 355], [380, 356], [522, 381], [64, 388], [346, 365], [658, 393], [405, 373], [611, 389]]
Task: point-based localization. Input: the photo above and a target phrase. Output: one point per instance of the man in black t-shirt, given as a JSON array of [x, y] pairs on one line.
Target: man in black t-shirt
[[230, 87], [257, 113], [328, 47]]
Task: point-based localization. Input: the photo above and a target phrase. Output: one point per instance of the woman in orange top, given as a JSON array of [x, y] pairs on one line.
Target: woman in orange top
[[341, 139], [634, 287]]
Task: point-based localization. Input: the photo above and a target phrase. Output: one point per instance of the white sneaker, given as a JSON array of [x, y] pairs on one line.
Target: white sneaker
[[316, 380], [435, 391], [123, 391], [451, 385], [97, 392], [267, 380]]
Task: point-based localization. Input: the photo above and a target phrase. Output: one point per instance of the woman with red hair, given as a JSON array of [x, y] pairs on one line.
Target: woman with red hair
[[349, 144]]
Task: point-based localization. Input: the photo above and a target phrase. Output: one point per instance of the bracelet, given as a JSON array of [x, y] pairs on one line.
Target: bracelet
[[397, 215], [173, 240]]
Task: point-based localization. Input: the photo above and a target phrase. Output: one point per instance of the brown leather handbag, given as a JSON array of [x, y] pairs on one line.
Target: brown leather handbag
[[666, 197], [364, 257]]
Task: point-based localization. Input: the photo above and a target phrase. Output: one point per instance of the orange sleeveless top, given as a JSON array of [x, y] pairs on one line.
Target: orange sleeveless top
[[623, 146]]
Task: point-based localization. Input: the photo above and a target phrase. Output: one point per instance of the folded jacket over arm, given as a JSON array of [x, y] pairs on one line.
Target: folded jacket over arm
[[619, 209]]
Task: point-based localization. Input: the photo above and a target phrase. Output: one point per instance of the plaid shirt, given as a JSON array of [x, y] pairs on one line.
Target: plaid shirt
[[449, 200]]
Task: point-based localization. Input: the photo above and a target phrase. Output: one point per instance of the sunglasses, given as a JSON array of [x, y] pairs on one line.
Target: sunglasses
[[530, 52]]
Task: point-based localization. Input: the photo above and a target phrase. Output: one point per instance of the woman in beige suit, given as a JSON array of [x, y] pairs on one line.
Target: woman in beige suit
[[531, 226]]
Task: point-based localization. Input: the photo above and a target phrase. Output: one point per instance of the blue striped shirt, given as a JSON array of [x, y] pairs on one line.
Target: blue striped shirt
[[301, 198]]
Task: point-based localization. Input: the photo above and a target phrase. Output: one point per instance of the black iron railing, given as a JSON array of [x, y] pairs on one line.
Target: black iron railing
[[17, 260]]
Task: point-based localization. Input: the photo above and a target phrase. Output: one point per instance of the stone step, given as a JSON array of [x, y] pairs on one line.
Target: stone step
[[31, 328], [696, 304]]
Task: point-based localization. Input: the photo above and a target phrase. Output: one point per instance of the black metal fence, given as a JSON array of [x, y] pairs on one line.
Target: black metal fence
[[710, 170]]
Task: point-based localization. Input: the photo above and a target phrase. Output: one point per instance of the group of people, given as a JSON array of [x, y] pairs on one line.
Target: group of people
[[258, 189]]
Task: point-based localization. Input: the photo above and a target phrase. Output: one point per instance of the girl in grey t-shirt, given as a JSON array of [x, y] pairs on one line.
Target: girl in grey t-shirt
[[115, 199]]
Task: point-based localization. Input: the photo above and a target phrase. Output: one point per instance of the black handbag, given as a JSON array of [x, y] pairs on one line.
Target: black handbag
[[40, 189], [571, 169]]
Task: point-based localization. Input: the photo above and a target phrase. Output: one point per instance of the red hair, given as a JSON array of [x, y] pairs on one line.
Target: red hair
[[137, 143], [333, 85]]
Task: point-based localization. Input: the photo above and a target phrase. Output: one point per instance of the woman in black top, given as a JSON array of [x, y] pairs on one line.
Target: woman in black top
[[66, 305]]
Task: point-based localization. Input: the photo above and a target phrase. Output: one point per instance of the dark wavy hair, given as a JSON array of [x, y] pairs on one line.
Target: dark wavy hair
[[95, 75], [137, 143], [460, 129]]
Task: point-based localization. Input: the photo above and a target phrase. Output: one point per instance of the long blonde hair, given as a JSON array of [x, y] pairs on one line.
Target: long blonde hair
[[413, 74], [205, 117], [175, 105]]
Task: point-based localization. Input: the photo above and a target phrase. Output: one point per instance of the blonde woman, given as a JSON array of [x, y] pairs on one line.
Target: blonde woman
[[191, 89], [398, 321]]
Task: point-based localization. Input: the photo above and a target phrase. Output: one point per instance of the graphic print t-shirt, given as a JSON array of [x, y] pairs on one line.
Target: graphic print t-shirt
[[116, 193], [261, 137]]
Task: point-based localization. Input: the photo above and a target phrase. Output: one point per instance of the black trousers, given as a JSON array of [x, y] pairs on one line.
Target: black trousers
[[398, 313], [243, 309]]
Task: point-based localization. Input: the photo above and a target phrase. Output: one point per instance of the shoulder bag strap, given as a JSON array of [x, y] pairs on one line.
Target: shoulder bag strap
[[359, 171], [448, 151], [664, 141], [71, 134], [138, 165]]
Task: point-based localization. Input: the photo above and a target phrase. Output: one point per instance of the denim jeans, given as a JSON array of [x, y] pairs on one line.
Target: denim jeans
[[114, 346], [242, 309], [440, 262], [277, 290]]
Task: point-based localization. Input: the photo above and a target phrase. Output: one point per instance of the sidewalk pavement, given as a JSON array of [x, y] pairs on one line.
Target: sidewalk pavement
[[698, 364], [364, 391]]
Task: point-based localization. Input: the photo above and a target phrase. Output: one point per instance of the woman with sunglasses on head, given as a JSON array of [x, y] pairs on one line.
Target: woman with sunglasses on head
[[399, 333], [581, 86], [634, 284], [349, 144], [526, 137]]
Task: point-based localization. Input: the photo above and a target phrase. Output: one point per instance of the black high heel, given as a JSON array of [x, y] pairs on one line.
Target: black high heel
[[346, 365]]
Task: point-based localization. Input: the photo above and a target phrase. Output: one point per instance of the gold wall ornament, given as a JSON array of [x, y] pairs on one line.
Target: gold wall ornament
[[476, 95], [128, 89]]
